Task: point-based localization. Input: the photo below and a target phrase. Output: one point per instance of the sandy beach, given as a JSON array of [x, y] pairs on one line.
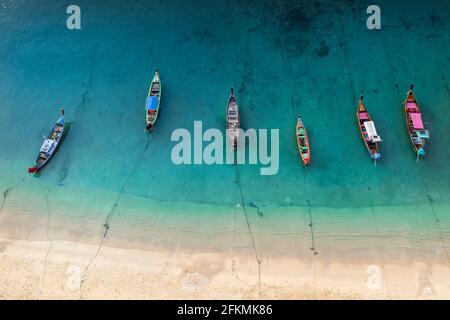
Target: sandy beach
[[71, 270]]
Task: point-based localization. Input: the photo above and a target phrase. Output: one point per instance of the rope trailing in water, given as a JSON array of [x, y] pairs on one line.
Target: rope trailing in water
[[48, 237], [372, 209], [238, 181], [437, 221], [311, 226], [110, 216], [5, 195], [8, 191], [286, 65], [435, 217]]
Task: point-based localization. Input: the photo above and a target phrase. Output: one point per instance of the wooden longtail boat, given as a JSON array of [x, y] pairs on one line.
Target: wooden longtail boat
[[232, 119], [414, 124], [303, 142], [153, 102], [49, 146], [368, 132]]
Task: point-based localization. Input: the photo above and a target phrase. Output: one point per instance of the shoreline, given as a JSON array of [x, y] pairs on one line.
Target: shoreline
[[369, 234], [114, 213], [72, 270], [201, 251]]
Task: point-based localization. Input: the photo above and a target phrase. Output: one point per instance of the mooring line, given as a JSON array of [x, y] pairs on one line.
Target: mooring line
[[345, 58], [372, 208], [110, 216], [8, 191], [310, 225], [106, 227], [286, 62], [5, 195], [234, 242], [247, 75], [122, 189], [372, 211], [313, 247], [442, 75], [437, 222], [238, 180], [87, 86], [49, 214]]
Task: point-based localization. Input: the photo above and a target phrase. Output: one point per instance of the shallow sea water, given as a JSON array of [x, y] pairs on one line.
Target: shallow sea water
[[284, 59]]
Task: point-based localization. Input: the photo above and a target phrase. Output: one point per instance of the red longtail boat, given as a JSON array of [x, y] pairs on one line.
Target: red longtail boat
[[303, 142], [368, 132], [414, 124]]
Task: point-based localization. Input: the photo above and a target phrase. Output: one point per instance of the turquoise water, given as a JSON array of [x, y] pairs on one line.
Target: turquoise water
[[284, 59]]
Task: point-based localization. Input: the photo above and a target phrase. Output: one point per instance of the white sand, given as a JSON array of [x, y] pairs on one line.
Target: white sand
[[59, 270]]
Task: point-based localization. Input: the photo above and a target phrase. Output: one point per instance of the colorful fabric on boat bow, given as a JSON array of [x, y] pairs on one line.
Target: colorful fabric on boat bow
[[417, 120]]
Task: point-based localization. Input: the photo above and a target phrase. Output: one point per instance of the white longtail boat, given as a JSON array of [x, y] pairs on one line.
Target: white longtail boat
[[49, 146], [232, 119], [153, 102]]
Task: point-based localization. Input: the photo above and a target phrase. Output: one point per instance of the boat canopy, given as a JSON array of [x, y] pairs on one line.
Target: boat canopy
[[411, 105], [371, 131], [47, 146], [363, 116], [416, 118], [152, 103], [423, 134]]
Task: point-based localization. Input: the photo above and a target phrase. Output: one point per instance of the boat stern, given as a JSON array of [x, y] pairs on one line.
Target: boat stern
[[375, 155], [421, 152], [32, 170], [306, 159]]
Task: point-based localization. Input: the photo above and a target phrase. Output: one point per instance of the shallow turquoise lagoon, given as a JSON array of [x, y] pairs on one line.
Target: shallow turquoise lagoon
[[313, 58]]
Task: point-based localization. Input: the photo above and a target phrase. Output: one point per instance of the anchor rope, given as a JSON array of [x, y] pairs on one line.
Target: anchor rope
[[110, 216], [238, 181]]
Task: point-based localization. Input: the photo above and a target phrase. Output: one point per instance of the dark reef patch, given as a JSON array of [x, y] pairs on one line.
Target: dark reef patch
[[248, 73], [323, 50], [296, 20], [201, 34], [436, 21], [294, 25]]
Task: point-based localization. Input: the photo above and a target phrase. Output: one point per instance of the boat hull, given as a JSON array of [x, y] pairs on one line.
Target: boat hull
[[49, 146], [151, 116], [303, 143], [232, 119], [372, 148], [418, 148]]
